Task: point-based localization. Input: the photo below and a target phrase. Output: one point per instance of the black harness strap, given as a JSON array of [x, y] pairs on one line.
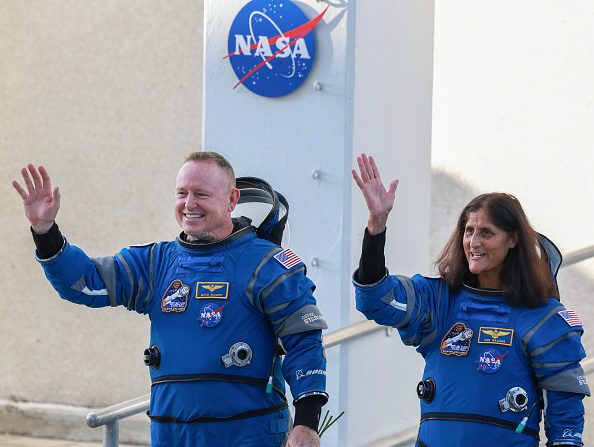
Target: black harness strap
[[222, 378], [244, 415], [465, 417], [214, 377], [208, 376]]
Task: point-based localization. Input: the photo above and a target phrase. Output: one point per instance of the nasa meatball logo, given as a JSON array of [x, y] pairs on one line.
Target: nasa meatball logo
[[490, 361], [211, 315], [272, 46]]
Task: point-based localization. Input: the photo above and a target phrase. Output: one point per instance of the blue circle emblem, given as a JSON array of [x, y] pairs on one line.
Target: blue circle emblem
[[211, 315], [272, 47], [490, 361]]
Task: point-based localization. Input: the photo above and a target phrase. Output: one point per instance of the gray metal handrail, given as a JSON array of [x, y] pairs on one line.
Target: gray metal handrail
[[578, 255], [351, 332], [110, 416]]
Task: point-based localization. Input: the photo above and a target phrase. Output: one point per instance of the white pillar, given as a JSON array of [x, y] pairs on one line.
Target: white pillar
[[373, 72]]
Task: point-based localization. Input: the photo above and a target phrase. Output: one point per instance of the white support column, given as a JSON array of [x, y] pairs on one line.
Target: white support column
[[392, 121], [370, 89]]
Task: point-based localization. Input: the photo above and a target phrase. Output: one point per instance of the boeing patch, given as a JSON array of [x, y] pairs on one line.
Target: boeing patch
[[496, 336], [175, 298], [457, 340], [211, 315], [212, 290], [490, 361]]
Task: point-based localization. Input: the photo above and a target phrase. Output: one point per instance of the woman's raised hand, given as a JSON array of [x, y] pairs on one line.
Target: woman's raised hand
[[379, 200]]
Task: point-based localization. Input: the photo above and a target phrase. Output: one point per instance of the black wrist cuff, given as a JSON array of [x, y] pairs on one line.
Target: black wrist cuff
[[372, 266], [48, 244], [308, 410]]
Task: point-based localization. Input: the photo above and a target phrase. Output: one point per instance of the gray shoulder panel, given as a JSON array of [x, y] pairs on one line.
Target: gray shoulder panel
[[541, 349], [431, 336], [249, 289], [410, 297], [569, 381], [279, 280], [530, 333], [307, 318], [128, 274], [106, 268]]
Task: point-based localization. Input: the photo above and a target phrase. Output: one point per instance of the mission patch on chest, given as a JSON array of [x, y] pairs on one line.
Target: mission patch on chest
[[175, 298], [457, 340]]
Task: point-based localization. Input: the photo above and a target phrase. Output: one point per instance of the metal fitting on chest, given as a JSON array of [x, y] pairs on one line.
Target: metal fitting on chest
[[240, 354], [515, 400]]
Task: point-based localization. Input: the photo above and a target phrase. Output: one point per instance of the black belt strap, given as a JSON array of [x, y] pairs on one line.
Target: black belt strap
[[466, 417], [215, 377], [244, 415], [199, 377], [222, 378]]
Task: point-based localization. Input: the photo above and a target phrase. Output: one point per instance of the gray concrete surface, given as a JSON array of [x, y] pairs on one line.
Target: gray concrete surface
[[25, 441]]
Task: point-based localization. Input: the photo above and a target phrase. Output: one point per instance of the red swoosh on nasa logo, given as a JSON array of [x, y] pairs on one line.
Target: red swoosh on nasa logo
[[216, 311], [295, 34]]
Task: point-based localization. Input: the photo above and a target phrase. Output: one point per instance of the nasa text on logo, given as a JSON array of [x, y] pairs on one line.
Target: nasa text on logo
[[272, 46], [490, 361], [211, 315]]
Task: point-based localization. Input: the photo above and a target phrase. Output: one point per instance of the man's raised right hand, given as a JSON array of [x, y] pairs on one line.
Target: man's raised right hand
[[41, 204]]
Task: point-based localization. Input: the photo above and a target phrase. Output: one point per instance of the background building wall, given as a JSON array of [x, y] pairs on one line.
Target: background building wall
[[107, 95], [392, 122], [286, 139]]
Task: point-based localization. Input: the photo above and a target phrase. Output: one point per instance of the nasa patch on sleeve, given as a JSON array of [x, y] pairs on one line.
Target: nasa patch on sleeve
[[272, 46]]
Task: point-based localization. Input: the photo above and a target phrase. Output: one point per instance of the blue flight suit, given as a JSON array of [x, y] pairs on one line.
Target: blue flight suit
[[204, 300], [476, 349]]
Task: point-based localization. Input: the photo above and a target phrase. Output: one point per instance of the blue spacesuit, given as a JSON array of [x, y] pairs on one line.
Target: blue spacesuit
[[217, 313], [487, 363]]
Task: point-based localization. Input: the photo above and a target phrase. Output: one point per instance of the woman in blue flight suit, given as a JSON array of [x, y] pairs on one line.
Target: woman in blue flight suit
[[496, 340]]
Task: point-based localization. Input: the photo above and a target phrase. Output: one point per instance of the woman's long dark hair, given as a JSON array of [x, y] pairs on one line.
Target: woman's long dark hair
[[526, 276]]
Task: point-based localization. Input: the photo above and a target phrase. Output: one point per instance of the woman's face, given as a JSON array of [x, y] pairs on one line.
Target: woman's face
[[485, 248]]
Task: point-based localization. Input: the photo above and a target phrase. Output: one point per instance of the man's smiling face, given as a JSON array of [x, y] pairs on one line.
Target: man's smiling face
[[204, 200]]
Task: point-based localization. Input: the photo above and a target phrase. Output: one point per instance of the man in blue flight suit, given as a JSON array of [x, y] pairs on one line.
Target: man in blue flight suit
[[223, 304]]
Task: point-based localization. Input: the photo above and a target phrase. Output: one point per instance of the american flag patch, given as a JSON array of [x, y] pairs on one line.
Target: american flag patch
[[571, 317], [287, 258]]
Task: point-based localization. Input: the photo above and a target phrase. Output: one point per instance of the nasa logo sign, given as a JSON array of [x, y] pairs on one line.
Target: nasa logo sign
[[272, 46]]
